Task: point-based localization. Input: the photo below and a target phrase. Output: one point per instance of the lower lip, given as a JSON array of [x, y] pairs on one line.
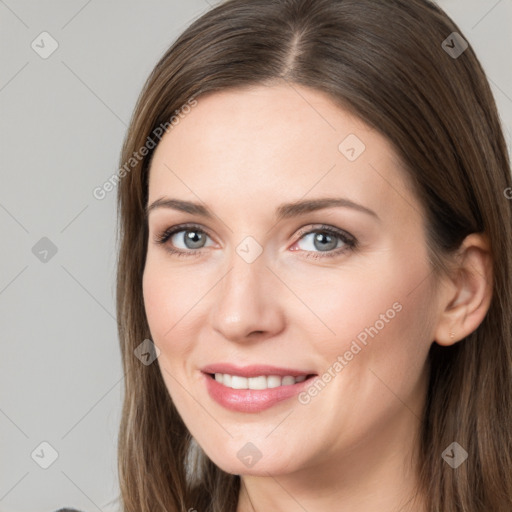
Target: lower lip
[[251, 400]]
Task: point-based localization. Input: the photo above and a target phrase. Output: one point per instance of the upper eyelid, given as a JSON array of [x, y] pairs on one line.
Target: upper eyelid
[[308, 229], [182, 227]]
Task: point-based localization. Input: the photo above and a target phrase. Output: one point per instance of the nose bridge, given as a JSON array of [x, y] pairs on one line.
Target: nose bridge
[[244, 302], [242, 287]]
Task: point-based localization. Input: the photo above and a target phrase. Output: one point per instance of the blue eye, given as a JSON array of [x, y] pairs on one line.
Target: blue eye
[[325, 241], [192, 237]]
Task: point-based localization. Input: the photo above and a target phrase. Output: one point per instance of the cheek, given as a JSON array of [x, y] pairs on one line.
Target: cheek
[[380, 320], [375, 363], [169, 299], [349, 303], [157, 302]]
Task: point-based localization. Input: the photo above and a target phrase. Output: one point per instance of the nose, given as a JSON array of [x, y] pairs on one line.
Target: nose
[[247, 305]]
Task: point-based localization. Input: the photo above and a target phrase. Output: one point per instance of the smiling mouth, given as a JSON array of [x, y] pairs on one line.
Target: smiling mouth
[[260, 382]]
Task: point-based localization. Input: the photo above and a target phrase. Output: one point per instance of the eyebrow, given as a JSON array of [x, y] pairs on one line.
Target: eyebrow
[[284, 211]]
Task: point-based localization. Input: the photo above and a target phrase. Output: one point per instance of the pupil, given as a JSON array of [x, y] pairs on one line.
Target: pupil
[[321, 236], [195, 238]]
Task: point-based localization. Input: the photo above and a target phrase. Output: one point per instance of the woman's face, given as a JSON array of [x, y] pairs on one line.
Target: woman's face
[[336, 294]]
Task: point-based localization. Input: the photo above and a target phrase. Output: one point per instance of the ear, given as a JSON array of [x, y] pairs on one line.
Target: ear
[[466, 297]]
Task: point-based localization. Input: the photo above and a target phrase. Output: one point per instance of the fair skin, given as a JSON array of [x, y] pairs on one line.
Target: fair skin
[[242, 153]]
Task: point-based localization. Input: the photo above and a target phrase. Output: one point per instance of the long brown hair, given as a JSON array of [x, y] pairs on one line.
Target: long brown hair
[[384, 61]]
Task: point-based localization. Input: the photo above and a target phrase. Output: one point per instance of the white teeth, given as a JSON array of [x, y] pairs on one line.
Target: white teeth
[[273, 381], [238, 382], [260, 382]]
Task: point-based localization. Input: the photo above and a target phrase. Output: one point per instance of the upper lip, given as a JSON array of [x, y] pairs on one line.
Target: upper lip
[[254, 370]]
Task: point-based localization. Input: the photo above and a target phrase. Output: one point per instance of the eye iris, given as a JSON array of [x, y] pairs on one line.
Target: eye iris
[[195, 237], [331, 244]]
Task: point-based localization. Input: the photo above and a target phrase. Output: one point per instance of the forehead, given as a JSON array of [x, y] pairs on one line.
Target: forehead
[[269, 144]]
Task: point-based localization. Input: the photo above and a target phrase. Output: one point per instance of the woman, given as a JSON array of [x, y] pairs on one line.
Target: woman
[[314, 290]]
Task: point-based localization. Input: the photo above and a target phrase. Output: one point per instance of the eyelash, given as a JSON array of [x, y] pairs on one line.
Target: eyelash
[[349, 241]]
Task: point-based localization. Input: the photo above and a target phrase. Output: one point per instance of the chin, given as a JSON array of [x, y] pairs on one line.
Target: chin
[[274, 464]]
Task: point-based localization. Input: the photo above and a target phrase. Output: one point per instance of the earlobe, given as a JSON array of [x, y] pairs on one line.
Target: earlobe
[[466, 299]]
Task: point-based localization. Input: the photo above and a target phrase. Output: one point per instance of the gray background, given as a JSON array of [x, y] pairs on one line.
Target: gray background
[[62, 122]]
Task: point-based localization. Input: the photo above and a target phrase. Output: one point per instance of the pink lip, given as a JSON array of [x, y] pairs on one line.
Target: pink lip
[[251, 400]]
